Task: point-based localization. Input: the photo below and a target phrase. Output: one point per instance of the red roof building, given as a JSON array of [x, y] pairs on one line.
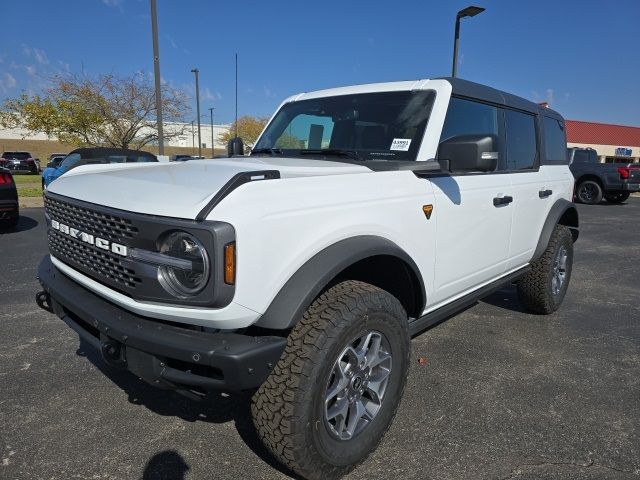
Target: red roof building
[[612, 142]]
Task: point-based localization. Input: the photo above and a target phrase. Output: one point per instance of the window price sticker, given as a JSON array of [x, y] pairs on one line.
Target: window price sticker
[[400, 144]]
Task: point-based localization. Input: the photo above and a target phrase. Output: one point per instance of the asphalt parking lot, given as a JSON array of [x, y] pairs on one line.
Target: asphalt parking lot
[[503, 394]]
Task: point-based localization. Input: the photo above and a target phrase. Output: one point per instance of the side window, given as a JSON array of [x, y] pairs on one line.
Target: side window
[[581, 156], [555, 141], [465, 117], [521, 141]]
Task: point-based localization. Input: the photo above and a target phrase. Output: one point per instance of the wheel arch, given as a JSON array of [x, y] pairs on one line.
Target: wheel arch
[[563, 212], [368, 258], [590, 176]]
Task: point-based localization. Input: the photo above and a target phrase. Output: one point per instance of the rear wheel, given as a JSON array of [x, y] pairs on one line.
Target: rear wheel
[[589, 192], [616, 197], [335, 391], [542, 290]]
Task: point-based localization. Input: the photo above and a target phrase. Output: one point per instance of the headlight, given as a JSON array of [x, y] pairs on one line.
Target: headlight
[[189, 274]]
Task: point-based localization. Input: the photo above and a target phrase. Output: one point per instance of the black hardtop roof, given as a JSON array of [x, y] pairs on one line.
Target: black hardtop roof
[[465, 88], [99, 152]]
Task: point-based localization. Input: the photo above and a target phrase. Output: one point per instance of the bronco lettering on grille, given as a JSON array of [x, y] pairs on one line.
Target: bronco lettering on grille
[[90, 239]]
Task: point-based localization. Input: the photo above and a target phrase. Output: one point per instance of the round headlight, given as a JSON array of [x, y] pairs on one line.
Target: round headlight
[[189, 277]]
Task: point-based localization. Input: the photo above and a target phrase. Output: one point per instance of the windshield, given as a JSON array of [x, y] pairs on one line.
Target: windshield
[[70, 161], [369, 126]]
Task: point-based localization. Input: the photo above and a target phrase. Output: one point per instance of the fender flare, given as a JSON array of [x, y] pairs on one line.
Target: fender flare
[[315, 274], [562, 208]]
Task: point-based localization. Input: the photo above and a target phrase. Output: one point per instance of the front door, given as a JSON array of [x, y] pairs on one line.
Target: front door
[[473, 231]]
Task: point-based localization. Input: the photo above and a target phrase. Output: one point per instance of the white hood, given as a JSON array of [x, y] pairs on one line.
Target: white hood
[[178, 189]]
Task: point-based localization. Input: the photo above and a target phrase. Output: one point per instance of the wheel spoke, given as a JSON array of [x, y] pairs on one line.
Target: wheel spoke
[[357, 411], [340, 381]]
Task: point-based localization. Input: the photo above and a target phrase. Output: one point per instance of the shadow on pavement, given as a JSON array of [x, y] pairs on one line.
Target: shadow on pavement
[[24, 224], [166, 465], [217, 407], [507, 298]]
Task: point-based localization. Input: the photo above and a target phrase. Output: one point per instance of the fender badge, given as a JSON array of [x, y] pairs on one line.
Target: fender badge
[[427, 209]]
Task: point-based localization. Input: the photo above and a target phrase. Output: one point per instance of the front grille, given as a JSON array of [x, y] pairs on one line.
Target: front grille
[[100, 264], [103, 225]]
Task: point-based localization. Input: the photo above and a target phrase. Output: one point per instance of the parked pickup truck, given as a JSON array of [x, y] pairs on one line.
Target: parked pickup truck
[[363, 216], [594, 180]]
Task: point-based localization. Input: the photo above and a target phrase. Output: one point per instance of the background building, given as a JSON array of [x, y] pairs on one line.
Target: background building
[[614, 143]]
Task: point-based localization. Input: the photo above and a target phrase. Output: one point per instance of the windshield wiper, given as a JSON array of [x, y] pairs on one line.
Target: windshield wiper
[[331, 151], [272, 151]]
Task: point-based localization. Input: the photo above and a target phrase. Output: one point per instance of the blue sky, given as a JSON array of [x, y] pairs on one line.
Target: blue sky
[[581, 56]]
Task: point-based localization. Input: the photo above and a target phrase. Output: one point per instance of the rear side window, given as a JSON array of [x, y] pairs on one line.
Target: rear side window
[[465, 117], [581, 156], [555, 140], [521, 143]]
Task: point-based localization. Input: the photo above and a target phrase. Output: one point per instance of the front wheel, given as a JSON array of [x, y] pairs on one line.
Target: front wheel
[[616, 197], [333, 394], [543, 288]]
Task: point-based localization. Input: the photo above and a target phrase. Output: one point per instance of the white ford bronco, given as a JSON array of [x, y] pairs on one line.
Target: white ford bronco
[[363, 216]]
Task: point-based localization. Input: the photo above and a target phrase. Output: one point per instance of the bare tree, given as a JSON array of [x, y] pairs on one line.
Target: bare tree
[[105, 110]]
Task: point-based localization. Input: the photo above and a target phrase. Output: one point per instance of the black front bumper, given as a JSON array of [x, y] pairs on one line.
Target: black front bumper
[[161, 353]]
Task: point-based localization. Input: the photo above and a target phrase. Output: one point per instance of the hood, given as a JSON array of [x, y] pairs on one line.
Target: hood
[[178, 189]]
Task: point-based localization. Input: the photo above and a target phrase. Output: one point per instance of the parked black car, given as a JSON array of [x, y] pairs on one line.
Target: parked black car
[[9, 210], [20, 162], [594, 180]]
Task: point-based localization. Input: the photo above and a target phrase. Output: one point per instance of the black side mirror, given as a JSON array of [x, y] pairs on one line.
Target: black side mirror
[[235, 147], [470, 153], [50, 165]]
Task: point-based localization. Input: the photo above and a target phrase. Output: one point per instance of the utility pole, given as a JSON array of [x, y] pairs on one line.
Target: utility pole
[[156, 72], [193, 138], [196, 72], [213, 153]]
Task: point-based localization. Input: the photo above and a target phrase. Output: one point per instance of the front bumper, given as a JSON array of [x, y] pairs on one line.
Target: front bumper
[[168, 356]]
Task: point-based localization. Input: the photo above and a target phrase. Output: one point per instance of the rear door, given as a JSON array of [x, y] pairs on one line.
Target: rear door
[[532, 194], [472, 237]]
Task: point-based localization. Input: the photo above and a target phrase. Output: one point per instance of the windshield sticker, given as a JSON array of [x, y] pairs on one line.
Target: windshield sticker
[[401, 144]]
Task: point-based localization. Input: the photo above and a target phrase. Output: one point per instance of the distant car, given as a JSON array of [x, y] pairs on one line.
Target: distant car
[[54, 162], [594, 180], [53, 155], [9, 210], [20, 162], [96, 155], [181, 158]]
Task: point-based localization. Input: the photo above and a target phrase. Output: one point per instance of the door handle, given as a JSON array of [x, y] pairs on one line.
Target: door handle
[[497, 201], [545, 193]]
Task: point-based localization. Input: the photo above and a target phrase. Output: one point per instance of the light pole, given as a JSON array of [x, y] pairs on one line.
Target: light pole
[[213, 152], [196, 72], [156, 72], [470, 11], [193, 138]]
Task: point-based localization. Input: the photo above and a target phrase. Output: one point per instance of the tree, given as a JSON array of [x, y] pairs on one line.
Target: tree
[[249, 128], [105, 110]]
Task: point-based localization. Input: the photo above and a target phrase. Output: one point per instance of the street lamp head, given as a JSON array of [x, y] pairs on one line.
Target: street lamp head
[[195, 70], [470, 11]]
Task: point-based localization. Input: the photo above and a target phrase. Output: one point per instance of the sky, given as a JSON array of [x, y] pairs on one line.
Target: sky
[[580, 56]]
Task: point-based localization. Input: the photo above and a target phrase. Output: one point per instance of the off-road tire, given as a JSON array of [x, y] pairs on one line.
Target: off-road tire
[[616, 197], [288, 409], [535, 288], [594, 198]]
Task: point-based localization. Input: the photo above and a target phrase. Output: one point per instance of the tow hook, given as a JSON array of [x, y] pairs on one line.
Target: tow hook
[[112, 354], [43, 299]]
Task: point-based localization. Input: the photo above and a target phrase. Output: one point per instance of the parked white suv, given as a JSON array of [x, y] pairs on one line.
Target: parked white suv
[[363, 216]]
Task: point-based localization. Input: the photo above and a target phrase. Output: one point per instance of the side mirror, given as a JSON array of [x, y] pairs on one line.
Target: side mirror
[[235, 147], [50, 165], [470, 153]]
